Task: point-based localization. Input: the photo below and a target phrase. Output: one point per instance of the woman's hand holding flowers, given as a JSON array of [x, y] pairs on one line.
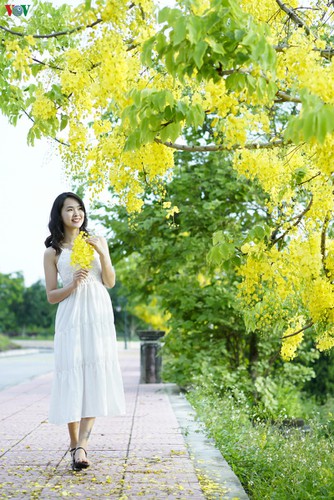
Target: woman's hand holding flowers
[[79, 276], [99, 244]]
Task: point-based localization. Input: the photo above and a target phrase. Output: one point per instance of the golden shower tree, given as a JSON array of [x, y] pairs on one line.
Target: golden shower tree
[[117, 83]]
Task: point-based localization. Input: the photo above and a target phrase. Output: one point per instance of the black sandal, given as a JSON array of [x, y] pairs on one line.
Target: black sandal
[[79, 465]]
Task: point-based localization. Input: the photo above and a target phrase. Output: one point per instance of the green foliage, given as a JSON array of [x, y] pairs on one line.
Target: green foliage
[[44, 18], [222, 37], [24, 309], [35, 314], [272, 461], [11, 296], [315, 121], [156, 111], [203, 46], [5, 343], [322, 385], [168, 259]]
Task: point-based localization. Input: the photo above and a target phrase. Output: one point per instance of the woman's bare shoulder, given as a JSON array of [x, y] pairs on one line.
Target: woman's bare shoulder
[[50, 254]]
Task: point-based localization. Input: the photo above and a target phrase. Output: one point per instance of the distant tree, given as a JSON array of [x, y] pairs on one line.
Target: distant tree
[[24, 309], [35, 314], [11, 298]]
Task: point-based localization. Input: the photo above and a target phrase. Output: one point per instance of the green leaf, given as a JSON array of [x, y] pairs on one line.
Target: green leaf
[[195, 116], [171, 132], [168, 15], [199, 53], [325, 122], [257, 233], [146, 55], [132, 141], [227, 250], [236, 81], [63, 121], [161, 43], [216, 47], [180, 31], [170, 63], [194, 30], [251, 83], [159, 100], [35, 68], [309, 126], [217, 237], [214, 257]]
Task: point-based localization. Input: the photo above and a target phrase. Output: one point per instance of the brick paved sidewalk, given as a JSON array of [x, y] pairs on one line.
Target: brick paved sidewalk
[[141, 455]]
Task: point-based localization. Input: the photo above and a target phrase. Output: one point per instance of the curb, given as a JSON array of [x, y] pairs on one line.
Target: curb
[[207, 458], [18, 352]]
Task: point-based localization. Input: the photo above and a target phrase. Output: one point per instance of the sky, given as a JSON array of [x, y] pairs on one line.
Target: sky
[[30, 180]]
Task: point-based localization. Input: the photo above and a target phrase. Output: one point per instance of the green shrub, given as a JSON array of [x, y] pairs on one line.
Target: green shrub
[[273, 462], [5, 343]]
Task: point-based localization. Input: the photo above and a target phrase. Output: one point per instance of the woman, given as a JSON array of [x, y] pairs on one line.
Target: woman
[[87, 381]]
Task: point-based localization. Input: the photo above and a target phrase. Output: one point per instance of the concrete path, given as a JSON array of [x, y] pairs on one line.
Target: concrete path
[[156, 451]]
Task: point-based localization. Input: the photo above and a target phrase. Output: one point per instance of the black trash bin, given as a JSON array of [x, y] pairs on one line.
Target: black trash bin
[[150, 357]]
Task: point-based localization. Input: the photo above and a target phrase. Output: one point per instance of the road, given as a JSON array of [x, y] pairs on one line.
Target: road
[[35, 358], [18, 368]]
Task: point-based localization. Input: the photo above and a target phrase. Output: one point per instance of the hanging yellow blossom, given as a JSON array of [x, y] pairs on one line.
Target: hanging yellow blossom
[[43, 107], [325, 341]]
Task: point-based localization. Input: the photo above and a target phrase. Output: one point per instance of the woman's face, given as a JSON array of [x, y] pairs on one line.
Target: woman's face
[[72, 214]]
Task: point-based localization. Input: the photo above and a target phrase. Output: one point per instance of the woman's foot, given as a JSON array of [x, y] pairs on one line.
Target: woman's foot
[[79, 458]]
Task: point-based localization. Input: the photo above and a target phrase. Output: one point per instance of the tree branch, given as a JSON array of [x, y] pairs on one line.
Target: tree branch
[[284, 97], [221, 147], [326, 53], [299, 218], [293, 16], [53, 138], [309, 180], [52, 66], [299, 331], [323, 243], [52, 35]]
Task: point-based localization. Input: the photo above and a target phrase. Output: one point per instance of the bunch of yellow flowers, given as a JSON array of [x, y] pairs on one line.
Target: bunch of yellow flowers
[[82, 252]]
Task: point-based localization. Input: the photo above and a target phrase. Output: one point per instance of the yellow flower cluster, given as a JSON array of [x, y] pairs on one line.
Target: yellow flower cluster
[[320, 300], [290, 345], [268, 11], [277, 283], [325, 341], [114, 11], [170, 211], [268, 168], [77, 136], [152, 314], [82, 253], [22, 58], [152, 159], [43, 107]]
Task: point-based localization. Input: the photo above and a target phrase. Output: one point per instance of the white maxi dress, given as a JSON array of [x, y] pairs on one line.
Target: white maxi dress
[[87, 380]]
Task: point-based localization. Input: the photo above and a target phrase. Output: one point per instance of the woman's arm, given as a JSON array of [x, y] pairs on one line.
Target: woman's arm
[[53, 293], [108, 272]]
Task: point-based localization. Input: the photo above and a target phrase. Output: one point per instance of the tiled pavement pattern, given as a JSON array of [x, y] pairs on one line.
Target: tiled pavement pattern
[[140, 455]]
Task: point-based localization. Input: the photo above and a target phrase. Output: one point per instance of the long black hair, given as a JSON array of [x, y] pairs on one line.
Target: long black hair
[[56, 225]]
